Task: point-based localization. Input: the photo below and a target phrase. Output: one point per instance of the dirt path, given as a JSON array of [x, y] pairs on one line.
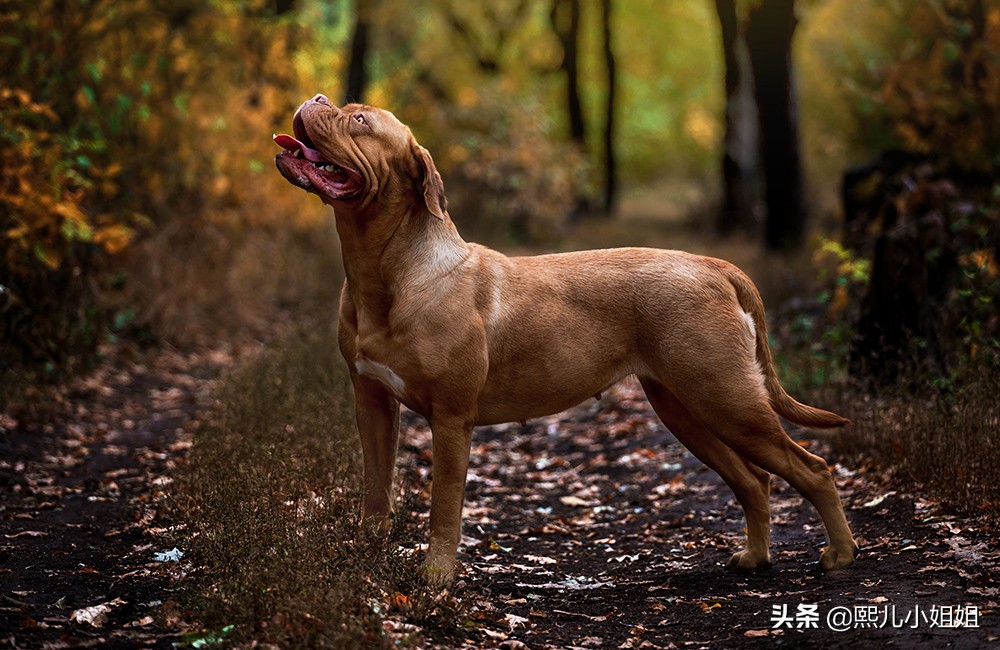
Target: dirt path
[[79, 535], [596, 529], [591, 529]]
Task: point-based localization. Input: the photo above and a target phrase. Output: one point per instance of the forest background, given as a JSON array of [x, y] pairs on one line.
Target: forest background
[[844, 152], [850, 149]]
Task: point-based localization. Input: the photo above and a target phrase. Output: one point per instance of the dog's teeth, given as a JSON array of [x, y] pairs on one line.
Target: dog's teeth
[[298, 153]]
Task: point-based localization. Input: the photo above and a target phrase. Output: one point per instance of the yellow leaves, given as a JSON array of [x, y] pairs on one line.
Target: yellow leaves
[[848, 266], [47, 256], [72, 213], [114, 238], [467, 96], [982, 260], [49, 181], [22, 99], [702, 127]]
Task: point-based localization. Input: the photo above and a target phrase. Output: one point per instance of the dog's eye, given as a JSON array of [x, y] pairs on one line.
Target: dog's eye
[[360, 119]]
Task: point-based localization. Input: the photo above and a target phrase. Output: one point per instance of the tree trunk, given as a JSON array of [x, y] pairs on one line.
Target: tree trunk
[[357, 65], [769, 39], [566, 25], [741, 137], [610, 165]]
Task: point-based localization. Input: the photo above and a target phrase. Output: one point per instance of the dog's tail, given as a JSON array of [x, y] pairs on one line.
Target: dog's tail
[[783, 404]]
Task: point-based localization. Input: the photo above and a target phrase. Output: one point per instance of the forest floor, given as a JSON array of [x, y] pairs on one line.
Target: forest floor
[[593, 528]]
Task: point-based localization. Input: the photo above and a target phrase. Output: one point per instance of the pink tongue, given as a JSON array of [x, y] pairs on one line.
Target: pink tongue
[[286, 141]]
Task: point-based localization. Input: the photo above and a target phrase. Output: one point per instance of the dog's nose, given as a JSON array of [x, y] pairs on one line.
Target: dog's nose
[[321, 99]]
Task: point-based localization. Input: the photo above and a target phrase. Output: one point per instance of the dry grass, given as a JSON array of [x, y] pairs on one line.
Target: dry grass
[[939, 440], [944, 444], [271, 494]]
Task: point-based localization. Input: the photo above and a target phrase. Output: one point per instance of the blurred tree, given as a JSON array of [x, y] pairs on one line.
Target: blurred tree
[[740, 141], [487, 35], [565, 17], [610, 160], [357, 63], [770, 27]]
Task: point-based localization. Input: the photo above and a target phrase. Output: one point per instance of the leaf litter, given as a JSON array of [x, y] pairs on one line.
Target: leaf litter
[[638, 532], [591, 528]]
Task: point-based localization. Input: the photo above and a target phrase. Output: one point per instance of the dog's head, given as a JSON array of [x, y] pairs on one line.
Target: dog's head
[[358, 158]]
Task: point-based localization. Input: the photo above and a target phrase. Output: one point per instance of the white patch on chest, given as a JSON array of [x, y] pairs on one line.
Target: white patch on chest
[[382, 374]]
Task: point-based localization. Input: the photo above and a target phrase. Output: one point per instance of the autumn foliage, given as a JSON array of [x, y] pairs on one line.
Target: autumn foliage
[[137, 194], [938, 89], [111, 137], [51, 241]]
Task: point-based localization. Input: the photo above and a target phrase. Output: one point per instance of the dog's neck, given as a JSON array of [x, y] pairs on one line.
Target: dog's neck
[[383, 259]]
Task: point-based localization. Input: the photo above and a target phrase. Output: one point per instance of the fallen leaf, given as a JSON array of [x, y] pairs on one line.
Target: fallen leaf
[[400, 600], [28, 533], [173, 555], [574, 501], [763, 633], [586, 616], [878, 500], [984, 591], [514, 621], [96, 615]]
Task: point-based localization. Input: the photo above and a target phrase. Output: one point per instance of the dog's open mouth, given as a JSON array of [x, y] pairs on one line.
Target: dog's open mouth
[[303, 165]]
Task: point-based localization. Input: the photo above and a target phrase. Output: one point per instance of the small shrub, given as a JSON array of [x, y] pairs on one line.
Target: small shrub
[[943, 442], [935, 430], [51, 243]]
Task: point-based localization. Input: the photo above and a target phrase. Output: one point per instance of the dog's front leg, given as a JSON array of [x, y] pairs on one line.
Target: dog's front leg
[[451, 439], [378, 423]]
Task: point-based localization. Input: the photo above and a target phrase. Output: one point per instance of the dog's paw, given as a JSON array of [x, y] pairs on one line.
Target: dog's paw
[[746, 561], [440, 576], [832, 558]]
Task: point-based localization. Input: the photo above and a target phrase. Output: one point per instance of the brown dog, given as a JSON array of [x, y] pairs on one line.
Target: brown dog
[[467, 336]]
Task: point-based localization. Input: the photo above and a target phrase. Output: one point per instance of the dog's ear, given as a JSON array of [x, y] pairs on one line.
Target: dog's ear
[[428, 182]]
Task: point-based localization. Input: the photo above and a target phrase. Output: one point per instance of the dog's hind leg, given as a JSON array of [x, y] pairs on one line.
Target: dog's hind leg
[[749, 483], [752, 430]]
